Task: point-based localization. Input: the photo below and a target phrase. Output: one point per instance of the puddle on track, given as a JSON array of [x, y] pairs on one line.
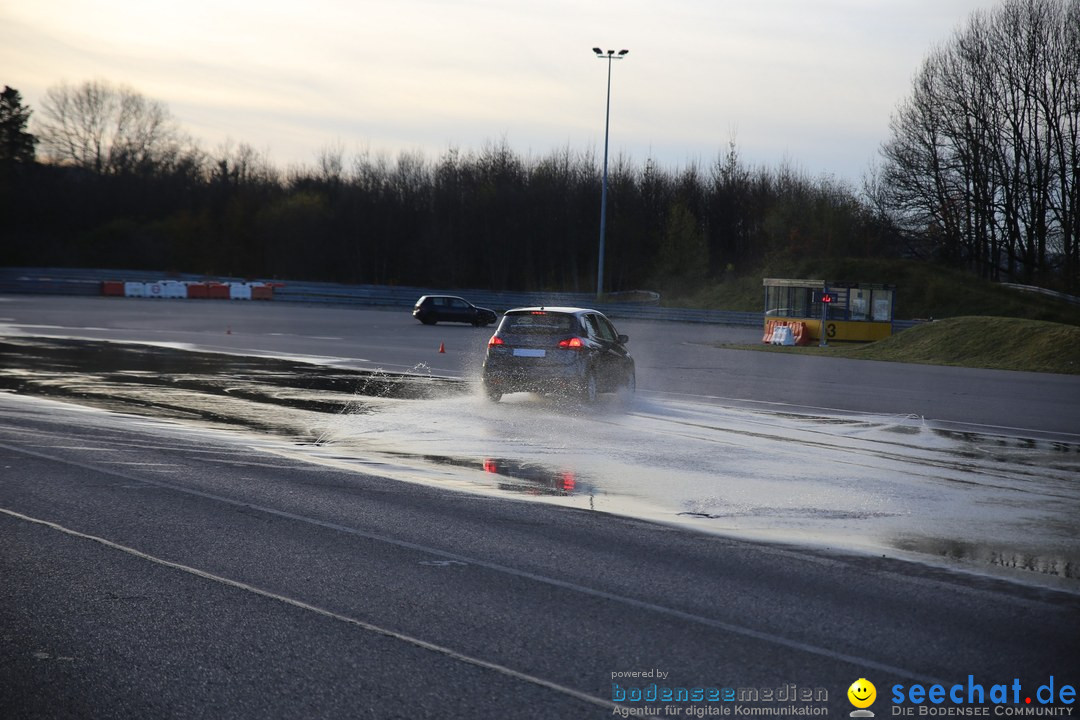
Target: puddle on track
[[870, 483], [268, 395]]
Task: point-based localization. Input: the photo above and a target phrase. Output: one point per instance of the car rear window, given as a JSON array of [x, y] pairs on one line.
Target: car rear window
[[539, 323]]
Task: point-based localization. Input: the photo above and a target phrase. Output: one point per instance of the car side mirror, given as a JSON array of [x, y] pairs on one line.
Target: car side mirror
[[623, 339]]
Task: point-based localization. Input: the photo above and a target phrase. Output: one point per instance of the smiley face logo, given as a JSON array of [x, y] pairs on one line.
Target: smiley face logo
[[862, 693]]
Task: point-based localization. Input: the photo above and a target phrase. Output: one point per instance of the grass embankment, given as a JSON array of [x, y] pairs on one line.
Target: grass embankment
[[982, 342], [923, 290], [977, 323]]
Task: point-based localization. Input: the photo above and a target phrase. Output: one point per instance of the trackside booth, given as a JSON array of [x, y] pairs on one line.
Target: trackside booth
[[855, 312]]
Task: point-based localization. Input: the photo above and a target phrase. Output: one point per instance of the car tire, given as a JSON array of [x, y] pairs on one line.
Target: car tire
[[589, 389], [427, 319], [627, 390], [492, 394]]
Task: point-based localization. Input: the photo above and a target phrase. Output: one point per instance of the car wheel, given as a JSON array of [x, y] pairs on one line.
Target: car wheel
[[589, 390], [492, 394], [426, 319], [627, 389]]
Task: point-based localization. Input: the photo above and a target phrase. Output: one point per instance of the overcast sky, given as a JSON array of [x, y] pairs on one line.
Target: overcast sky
[[808, 82]]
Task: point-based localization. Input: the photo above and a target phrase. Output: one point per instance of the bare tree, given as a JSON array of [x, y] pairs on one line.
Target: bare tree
[[107, 129], [982, 165], [331, 163], [243, 166]]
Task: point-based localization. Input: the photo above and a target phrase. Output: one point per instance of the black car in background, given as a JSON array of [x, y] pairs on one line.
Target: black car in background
[[431, 309], [557, 350]]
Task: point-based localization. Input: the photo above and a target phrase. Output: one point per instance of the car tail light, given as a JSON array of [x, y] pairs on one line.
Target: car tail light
[[573, 343], [496, 340]]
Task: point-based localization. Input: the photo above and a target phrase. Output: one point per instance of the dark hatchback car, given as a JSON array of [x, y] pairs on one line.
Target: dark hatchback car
[[565, 351], [431, 309]]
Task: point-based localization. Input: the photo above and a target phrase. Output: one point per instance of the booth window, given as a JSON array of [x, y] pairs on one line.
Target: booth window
[[783, 301], [882, 305], [800, 303], [860, 303]]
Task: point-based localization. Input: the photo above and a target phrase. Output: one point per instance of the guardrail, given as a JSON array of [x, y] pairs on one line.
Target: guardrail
[[502, 301], [1072, 299], [69, 281]]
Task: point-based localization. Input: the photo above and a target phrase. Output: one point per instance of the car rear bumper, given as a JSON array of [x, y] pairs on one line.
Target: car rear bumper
[[511, 375]]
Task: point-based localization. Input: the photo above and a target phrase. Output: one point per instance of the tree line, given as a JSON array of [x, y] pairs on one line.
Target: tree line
[[982, 171], [121, 186]]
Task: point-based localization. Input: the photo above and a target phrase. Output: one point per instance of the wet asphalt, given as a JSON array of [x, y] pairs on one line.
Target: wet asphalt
[[673, 359], [155, 567], [153, 570]]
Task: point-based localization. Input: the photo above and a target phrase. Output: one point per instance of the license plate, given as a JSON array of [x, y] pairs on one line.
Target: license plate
[[529, 352]]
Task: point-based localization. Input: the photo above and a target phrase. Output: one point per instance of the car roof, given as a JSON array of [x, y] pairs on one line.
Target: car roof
[[554, 309]]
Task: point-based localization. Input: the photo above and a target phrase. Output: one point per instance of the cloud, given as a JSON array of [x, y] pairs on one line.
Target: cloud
[[814, 81]]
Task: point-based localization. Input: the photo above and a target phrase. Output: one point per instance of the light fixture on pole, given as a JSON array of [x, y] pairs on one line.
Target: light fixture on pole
[[609, 56]]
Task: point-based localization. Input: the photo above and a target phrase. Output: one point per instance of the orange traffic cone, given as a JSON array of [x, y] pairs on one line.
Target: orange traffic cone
[[442, 347]]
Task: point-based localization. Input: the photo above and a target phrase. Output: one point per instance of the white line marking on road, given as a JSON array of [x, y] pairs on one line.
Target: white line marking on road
[[743, 403], [760, 635], [236, 584]]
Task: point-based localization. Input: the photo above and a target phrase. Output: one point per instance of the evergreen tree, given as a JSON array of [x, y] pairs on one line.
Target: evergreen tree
[[16, 144]]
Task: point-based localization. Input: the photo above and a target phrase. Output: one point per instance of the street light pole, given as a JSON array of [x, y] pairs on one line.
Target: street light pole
[[609, 56]]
